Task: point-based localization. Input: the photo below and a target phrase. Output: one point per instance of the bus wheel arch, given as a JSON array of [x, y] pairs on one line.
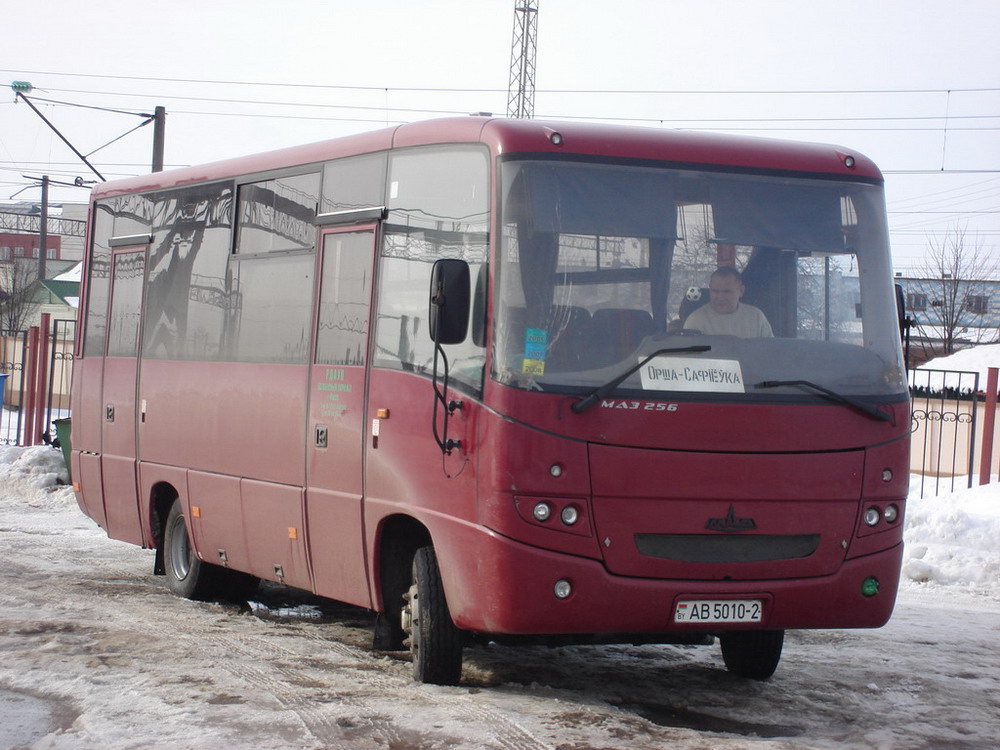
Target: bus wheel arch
[[399, 538], [161, 500]]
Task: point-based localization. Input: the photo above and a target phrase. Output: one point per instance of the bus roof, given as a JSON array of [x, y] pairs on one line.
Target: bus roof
[[506, 136]]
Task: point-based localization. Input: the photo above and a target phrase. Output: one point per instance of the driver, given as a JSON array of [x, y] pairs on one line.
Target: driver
[[725, 314]]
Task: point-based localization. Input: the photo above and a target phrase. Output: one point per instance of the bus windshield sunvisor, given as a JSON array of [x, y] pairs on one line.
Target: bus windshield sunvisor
[[796, 217], [595, 200]]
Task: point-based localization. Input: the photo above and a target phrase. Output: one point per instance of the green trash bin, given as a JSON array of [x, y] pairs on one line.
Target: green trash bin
[[62, 432]]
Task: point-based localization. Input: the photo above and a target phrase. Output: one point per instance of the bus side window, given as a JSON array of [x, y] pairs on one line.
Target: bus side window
[[438, 202], [271, 272], [186, 295], [99, 282]]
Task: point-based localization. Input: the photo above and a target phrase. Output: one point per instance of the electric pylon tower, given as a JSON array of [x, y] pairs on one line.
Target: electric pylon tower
[[521, 91]]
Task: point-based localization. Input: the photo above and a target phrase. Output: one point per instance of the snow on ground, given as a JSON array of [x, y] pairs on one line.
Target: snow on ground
[[94, 651]]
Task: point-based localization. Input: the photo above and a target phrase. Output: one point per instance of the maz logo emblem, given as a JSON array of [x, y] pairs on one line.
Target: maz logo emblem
[[730, 524]]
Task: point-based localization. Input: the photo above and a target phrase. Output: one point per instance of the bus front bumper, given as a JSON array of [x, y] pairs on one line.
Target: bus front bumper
[[495, 585]]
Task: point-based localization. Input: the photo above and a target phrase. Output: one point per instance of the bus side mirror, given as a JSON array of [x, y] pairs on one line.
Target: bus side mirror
[[450, 297]]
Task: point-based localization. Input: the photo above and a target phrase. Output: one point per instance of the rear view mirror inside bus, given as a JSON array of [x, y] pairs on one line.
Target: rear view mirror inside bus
[[450, 296]]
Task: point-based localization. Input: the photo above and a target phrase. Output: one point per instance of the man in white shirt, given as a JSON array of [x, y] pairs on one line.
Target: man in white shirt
[[725, 314]]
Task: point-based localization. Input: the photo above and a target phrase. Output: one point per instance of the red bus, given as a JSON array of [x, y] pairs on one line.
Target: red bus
[[506, 380]]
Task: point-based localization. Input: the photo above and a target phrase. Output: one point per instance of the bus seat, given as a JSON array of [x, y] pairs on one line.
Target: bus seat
[[618, 332], [568, 334], [694, 298], [566, 331]]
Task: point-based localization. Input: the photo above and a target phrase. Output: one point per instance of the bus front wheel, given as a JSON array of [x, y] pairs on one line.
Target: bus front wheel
[[434, 641], [752, 653]]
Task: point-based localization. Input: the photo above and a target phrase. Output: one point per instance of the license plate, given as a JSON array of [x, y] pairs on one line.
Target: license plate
[[719, 610]]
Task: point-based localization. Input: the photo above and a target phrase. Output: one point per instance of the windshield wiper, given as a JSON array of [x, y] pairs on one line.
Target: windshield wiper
[[872, 411], [579, 407]]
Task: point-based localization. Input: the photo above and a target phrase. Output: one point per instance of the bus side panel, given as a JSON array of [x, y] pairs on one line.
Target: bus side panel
[[405, 470], [336, 544], [275, 532], [87, 473], [120, 504], [88, 412], [405, 464], [218, 526], [118, 463], [240, 419], [88, 416]]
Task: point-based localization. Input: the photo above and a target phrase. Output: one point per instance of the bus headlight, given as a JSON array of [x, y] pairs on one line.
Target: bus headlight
[[542, 511], [891, 514], [562, 589], [570, 515], [872, 516]]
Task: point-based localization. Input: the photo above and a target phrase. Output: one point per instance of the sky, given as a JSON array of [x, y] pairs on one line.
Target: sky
[[913, 84]]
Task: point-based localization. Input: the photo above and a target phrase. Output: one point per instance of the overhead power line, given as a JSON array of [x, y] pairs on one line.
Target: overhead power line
[[707, 124], [645, 92]]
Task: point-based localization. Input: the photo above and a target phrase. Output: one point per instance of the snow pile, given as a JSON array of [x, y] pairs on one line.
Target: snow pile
[[37, 468], [976, 359], [954, 539]]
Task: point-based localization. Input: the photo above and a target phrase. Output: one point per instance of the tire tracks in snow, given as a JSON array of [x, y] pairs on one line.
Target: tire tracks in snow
[[330, 724]]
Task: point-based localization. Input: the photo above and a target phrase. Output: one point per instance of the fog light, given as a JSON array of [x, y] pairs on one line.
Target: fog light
[[562, 589], [886, 475], [869, 587], [872, 516], [570, 515], [556, 470], [542, 512], [891, 514]]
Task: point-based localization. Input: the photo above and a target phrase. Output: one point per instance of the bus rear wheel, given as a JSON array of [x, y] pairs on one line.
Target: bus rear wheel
[[434, 641], [752, 653], [189, 577]]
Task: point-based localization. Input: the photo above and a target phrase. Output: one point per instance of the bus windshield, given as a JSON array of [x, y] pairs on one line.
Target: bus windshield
[[602, 265]]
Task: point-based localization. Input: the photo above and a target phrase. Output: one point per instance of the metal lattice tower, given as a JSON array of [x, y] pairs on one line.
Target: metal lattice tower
[[521, 91]]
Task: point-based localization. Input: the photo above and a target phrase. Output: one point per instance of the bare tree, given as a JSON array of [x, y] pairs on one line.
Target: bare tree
[[958, 270], [17, 289]]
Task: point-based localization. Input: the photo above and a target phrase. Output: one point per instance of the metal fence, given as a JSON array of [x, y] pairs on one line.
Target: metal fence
[[946, 406], [49, 390], [13, 355]]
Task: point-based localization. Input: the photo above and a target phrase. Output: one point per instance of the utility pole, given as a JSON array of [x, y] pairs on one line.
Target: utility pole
[[43, 229], [521, 91], [159, 129]]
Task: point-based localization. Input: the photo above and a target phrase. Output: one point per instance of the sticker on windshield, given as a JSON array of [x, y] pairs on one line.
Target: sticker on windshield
[[536, 344], [684, 374]]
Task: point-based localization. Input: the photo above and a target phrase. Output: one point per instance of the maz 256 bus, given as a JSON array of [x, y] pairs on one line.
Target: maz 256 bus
[[468, 374]]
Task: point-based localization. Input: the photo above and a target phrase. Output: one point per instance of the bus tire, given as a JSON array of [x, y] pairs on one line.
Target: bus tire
[[752, 653], [434, 641], [187, 576]]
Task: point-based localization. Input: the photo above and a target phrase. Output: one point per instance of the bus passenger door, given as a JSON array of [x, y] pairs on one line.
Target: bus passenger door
[[336, 437], [118, 462]]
